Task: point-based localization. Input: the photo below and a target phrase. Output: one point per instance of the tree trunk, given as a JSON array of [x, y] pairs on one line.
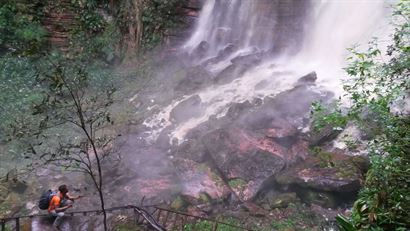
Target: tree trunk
[[100, 184], [103, 209], [133, 37]]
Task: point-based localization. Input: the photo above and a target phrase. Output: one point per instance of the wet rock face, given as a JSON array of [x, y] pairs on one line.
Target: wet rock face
[[327, 172], [322, 198], [224, 53], [240, 156], [194, 4], [253, 141], [187, 109], [249, 158], [200, 180], [288, 109], [195, 78], [238, 109], [307, 79], [278, 200], [201, 49], [326, 134]]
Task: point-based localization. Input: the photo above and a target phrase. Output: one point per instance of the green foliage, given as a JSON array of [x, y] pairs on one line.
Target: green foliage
[[344, 224], [325, 116], [158, 17], [20, 31], [90, 19], [95, 38], [237, 183], [200, 226], [283, 225], [97, 47], [208, 225], [19, 91], [378, 84], [127, 227], [325, 158], [299, 217]]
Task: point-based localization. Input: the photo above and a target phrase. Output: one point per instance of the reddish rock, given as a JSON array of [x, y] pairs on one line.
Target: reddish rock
[[325, 172], [251, 157], [200, 179]]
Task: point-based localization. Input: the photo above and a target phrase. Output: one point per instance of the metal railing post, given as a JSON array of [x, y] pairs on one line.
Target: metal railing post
[[17, 224], [159, 215]]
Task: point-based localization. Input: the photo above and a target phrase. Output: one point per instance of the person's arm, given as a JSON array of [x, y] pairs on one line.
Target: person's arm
[[73, 198], [55, 203], [63, 208]]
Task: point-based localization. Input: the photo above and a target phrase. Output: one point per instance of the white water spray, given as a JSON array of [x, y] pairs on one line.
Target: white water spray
[[335, 26], [331, 27]]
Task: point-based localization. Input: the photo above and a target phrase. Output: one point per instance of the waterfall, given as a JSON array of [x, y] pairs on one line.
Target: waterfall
[[336, 25], [232, 21], [287, 38], [248, 24]]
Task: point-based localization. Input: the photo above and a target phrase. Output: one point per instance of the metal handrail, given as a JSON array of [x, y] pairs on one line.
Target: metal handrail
[[140, 210]]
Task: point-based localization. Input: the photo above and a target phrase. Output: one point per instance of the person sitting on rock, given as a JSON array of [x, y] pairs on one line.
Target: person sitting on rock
[[59, 203]]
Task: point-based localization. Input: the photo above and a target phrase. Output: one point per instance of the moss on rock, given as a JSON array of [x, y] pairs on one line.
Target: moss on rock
[[282, 200], [325, 171], [178, 204]]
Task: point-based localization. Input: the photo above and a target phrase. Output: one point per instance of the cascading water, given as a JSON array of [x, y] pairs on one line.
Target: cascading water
[[234, 22], [253, 53], [276, 42], [334, 27]]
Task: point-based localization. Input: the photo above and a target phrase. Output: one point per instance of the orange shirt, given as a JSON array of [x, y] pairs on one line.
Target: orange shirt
[[54, 202]]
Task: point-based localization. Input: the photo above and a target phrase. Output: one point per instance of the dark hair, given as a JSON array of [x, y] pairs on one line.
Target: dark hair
[[63, 188]]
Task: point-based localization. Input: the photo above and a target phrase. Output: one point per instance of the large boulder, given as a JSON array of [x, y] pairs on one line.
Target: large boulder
[[245, 161], [239, 66], [222, 55], [238, 109], [324, 135], [325, 171], [198, 180], [307, 79], [248, 60], [201, 49], [230, 73], [289, 108]]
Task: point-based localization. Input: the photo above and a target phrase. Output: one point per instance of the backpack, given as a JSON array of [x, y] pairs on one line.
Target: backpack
[[45, 199]]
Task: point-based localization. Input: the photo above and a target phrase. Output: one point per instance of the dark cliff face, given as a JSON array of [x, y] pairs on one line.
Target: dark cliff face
[[59, 18]]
